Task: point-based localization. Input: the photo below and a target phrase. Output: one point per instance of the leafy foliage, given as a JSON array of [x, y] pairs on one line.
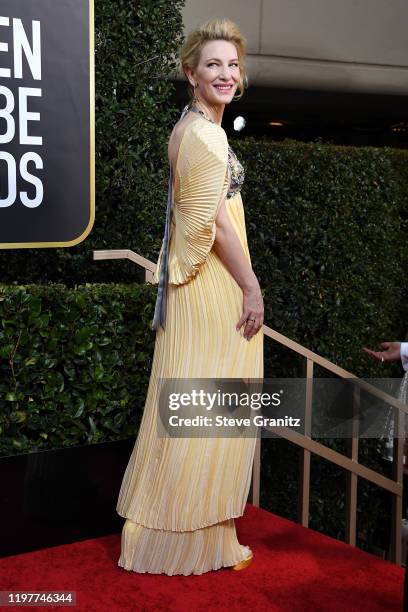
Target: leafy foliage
[[74, 364], [326, 227]]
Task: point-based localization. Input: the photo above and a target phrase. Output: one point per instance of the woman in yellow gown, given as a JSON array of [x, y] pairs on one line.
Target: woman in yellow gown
[[180, 495]]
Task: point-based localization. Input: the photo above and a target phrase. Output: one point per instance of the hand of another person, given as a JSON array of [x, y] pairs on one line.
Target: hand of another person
[[391, 352], [253, 312]]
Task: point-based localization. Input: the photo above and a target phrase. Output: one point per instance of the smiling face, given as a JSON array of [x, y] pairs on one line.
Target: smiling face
[[218, 72]]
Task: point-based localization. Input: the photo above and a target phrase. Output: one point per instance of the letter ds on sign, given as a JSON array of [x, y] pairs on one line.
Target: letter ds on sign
[[47, 142]]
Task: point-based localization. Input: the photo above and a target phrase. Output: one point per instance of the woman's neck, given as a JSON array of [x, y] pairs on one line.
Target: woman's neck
[[211, 111]]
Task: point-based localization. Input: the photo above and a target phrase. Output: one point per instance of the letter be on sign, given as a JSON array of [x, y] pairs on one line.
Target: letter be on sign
[[47, 142]]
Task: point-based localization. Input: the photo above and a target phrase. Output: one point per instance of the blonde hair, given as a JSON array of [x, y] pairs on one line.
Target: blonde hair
[[215, 29]]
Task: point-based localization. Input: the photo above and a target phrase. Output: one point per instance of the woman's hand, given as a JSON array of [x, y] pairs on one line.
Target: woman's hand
[[391, 352], [253, 311]]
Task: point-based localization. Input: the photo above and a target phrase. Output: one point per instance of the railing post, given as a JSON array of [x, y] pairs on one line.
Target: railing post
[[148, 276], [397, 474], [351, 478], [304, 460]]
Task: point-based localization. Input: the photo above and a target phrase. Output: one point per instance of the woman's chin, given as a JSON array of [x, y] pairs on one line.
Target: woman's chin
[[223, 98]]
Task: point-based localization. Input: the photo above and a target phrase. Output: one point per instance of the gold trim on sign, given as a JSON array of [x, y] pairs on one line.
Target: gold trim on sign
[[27, 245]]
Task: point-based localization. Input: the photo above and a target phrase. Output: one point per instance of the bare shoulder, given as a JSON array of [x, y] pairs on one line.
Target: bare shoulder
[[181, 125]]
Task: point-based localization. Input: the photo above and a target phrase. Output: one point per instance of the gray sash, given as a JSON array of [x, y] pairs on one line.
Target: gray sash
[[159, 318]]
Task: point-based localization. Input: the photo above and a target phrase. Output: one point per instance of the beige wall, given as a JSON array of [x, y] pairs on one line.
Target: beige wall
[[344, 45]]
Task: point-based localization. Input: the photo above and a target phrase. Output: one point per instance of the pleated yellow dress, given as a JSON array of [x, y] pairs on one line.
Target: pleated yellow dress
[[180, 495]]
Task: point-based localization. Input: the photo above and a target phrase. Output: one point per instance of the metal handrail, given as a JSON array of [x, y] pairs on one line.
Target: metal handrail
[[308, 446]]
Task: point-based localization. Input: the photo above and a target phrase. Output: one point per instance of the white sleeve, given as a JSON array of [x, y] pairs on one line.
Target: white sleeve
[[404, 355]]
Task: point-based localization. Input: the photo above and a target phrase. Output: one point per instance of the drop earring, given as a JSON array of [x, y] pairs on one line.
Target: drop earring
[[195, 99]]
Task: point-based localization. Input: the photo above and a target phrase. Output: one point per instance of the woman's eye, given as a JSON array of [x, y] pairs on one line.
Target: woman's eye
[[214, 64]]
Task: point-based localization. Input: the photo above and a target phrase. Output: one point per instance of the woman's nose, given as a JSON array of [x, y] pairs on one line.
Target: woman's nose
[[225, 73]]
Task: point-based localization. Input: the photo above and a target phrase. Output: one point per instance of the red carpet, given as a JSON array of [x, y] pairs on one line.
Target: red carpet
[[294, 568]]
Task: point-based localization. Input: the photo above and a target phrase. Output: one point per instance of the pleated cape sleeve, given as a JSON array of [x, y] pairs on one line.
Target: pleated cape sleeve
[[203, 180]]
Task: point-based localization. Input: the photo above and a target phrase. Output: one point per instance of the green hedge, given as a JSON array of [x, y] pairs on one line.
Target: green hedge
[[74, 364], [327, 230]]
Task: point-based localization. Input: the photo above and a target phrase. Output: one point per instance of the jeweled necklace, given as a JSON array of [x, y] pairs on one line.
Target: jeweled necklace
[[195, 108]]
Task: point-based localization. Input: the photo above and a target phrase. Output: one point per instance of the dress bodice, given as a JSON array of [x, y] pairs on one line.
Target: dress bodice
[[237, 172]]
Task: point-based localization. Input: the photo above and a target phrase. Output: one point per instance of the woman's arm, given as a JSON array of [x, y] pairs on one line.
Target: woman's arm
[[229, 249], [393, 351]]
